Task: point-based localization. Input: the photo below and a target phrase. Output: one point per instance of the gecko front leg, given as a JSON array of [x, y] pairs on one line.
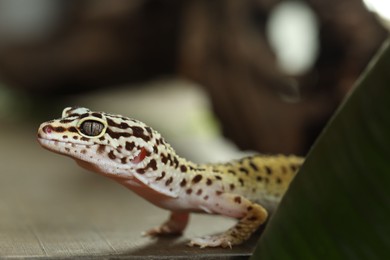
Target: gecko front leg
[[175, 225], [251, 216]]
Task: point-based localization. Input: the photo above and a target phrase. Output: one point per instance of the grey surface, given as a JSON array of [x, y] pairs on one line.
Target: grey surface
[[51, 208]]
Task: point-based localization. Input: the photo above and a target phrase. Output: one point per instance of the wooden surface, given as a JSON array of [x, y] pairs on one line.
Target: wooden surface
[[51, 208]]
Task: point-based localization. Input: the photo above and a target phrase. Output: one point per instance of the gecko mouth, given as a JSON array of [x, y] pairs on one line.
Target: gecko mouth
[[45, 141], [59, 146], [64, 148]]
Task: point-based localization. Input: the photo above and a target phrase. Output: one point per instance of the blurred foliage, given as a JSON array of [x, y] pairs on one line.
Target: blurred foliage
[[338, 205]]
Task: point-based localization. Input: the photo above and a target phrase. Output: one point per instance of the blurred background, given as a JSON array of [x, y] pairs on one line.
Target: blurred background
[[217, 78], [259, 75]]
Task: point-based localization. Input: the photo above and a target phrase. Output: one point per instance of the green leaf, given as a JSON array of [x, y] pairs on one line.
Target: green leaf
[[338, 206]]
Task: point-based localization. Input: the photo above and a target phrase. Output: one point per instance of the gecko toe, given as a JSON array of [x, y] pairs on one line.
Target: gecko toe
[[214, 241]]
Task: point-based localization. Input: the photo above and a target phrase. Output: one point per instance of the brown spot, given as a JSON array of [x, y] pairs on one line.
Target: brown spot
[[189, 191], [83, 115], [249, 208], [268, 170], [259, 178], [72, 129], [206, 197], [241, 181], [169, 159], [169, 181], [75, 137], [266, 180], [111, 155], [253, 218], [101, 149], [164, 159], [97, 115], [176, 161], [59, 129], [152, 164], [74, 114], [149, 130], [65, 121], [129, 146], [284, 169], [122, 125], [237, 199], [208, 182], [116, 135], [155, 149], [218, 177], [254, 167], [218, 192], [197, 178], [183, 183], [102, 138], [83, 138], [83, 151], [183, 168], [278, 180], [139, 132], [124, 160], [294, 167], [141, 171], [161, 176], [242, 169], [232, 186], [65, 137], [199, 192], [67, 149], [232, 172]]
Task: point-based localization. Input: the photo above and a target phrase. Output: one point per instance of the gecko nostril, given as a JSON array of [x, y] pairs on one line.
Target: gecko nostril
[[47, 129]]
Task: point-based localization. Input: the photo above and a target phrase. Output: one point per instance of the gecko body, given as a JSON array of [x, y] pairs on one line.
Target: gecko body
[[138, 157]]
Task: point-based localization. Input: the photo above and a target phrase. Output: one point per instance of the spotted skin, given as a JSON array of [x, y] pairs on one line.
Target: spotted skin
[[138, 157]]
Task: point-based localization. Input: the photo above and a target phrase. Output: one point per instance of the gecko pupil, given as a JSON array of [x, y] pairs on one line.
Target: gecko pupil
[[91, 128]]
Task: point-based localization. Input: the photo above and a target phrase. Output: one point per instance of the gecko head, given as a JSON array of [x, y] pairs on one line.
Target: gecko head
[[103, 142]]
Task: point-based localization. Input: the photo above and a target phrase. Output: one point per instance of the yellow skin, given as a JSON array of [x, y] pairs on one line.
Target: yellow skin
[[136, 156]]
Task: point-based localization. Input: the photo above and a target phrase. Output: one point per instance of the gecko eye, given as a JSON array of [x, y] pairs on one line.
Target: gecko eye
[[91, 128]]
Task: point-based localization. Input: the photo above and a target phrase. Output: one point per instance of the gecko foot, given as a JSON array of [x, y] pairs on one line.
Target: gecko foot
[[254, 216], [222, 240], [175, 225], [163, 230]]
